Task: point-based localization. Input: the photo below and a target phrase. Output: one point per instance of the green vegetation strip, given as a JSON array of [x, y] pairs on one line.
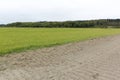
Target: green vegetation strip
[[21, 39]]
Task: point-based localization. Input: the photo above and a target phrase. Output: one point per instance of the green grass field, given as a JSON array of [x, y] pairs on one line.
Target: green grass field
[[21, 39]]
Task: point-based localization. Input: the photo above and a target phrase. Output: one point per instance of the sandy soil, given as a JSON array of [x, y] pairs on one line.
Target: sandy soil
[[97, 59]]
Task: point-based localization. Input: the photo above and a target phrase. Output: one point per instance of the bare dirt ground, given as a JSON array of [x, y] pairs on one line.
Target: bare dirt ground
[[97, 59]]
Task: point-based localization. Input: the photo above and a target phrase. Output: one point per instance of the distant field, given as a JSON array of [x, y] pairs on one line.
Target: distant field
[[21, 39]]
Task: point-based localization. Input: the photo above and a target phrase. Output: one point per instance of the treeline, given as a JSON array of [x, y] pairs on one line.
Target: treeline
[[103, 23]]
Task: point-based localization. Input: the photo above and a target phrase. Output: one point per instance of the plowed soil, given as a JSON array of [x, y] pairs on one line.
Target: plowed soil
[[96, 59]]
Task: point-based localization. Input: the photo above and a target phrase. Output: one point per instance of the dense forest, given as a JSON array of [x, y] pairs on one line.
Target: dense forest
[[102, 23]]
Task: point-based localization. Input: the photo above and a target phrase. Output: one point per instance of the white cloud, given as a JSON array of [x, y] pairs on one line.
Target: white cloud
[[36, 10]]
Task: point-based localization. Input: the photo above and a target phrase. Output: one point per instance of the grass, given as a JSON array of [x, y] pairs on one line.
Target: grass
[[21, 39]]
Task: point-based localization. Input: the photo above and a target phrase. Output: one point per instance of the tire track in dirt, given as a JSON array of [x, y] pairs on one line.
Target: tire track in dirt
[[97, 59]]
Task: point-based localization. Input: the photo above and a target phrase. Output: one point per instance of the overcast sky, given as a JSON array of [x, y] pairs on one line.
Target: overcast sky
[[57, 10]]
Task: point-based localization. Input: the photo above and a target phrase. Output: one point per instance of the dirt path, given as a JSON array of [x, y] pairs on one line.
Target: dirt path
[[97, 59]]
